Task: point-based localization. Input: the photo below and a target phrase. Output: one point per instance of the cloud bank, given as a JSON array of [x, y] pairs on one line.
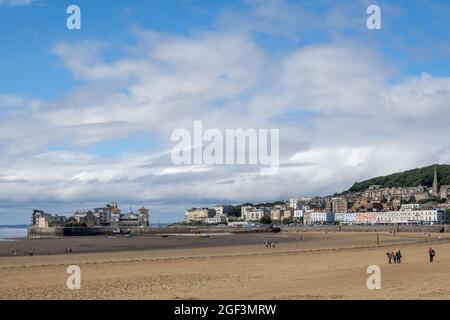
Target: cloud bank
[[343, 114]]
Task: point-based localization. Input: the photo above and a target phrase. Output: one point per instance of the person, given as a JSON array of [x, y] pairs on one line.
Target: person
[[31, 253], [393, 255], [432, 253], [389, 257], [70, 250], [399, 256]]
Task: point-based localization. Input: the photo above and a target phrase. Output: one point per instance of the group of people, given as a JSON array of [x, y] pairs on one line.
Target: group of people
[[397, 256], [31, 253], [268, 244], [15, 252]]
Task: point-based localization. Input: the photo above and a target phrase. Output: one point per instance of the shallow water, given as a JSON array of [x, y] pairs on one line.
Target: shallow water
[[7, 234]]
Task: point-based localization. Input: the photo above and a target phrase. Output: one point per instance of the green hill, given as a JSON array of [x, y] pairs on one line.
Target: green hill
[[411, 178]]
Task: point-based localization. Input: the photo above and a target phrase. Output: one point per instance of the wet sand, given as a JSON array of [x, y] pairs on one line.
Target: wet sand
[[322, 266], [122, 243]]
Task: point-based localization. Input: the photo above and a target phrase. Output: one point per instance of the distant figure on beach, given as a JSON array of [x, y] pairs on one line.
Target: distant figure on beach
[[70, 250], [31, 253], [389, 255], [273, 244], [399, 256], [431, 253], [393, 255]]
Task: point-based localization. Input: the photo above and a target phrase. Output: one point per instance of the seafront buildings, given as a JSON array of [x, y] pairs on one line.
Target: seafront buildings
[[206, 215], [109, 216], [255, 214], [375, 205]]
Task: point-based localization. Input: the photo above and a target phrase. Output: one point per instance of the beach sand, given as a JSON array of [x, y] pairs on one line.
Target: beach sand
[[322, 266]]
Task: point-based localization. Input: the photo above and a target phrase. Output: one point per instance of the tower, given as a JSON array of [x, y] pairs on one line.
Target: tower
[[144, 214], [435, 183]]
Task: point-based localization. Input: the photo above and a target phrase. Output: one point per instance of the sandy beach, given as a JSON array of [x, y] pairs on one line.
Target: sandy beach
[[321, 266]]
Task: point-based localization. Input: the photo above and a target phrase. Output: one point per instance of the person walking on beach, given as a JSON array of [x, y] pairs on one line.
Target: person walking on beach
[[393, 255], [431, 253], [399, 256], [389, 255]]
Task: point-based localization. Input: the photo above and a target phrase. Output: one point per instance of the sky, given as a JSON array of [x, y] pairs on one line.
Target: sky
[[86, 116]]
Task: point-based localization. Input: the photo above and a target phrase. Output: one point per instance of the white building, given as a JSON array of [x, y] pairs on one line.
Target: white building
[[435, 216], [255, 214], [392, 217], [293, 203], [339, 217], [222, 209], [200, 214], [299, 213], [349, 217], [216, 220], [244, 210], [319, 217], [408, 216], [410, 206]]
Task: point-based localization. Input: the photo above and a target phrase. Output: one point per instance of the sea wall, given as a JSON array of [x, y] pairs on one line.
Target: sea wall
[[35, 232], [197, 230], [371, 228]]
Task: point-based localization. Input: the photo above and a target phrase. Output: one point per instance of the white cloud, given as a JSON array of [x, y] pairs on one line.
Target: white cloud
[[16, 3], [341, 118]]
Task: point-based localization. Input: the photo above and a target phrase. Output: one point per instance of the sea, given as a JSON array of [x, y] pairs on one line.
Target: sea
[[8, 233]]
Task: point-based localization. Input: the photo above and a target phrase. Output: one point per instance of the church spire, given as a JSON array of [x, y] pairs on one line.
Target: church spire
[[435, 182]]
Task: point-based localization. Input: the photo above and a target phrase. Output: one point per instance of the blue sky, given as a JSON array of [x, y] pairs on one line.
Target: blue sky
[[99, 103], [418, 29]]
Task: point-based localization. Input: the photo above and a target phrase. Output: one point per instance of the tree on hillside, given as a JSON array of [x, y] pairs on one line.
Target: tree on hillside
[[265, 220], [235, 211], [411, 178]]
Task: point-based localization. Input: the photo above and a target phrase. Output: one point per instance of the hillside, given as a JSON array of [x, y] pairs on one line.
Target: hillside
[[411, 178]]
